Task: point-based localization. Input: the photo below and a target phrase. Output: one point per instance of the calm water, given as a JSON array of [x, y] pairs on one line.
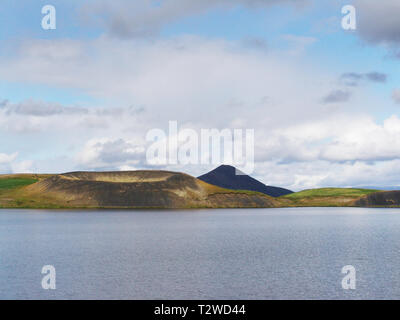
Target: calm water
[[201, 254]]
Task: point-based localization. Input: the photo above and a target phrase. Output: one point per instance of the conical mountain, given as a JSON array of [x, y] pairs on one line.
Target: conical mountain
[[225, 177]]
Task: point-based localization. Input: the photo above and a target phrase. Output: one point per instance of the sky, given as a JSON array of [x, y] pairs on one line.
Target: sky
[[323, 101]]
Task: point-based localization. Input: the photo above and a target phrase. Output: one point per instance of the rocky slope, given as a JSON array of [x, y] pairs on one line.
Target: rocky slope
[[380, 199]]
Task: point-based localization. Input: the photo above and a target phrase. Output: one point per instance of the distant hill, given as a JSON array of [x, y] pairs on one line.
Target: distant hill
[[124, 189], [225, 177]]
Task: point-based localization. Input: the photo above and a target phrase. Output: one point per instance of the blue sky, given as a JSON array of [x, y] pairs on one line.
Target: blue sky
[[113, 70]]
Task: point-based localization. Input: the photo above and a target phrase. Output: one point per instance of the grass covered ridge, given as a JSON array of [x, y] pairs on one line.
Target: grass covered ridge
[[11, 190], [330, 192], [325, 197]]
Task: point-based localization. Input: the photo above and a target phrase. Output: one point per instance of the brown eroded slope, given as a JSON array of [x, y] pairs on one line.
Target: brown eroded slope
[[380, 199], [138, 189]]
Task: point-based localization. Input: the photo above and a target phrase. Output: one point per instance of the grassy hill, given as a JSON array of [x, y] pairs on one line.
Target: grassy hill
[[130, 189], [325, 197], [11, 186]]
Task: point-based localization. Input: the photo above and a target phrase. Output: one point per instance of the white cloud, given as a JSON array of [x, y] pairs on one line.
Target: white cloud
[[111, 154], [9, 164], [182, 78], [201, 84], [336, 139], [25, 166], [313, 174], [7, 158]]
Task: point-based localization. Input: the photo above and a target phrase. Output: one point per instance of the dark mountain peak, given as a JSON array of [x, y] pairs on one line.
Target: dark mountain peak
[[226, 176], [228, 170], [225, 168]]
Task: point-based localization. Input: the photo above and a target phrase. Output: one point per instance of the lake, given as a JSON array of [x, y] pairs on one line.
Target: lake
[[295, 253]]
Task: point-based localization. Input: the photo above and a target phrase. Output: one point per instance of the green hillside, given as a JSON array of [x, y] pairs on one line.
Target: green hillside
[[330, 192], [13, 183], [325, 197], [11, 190]]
